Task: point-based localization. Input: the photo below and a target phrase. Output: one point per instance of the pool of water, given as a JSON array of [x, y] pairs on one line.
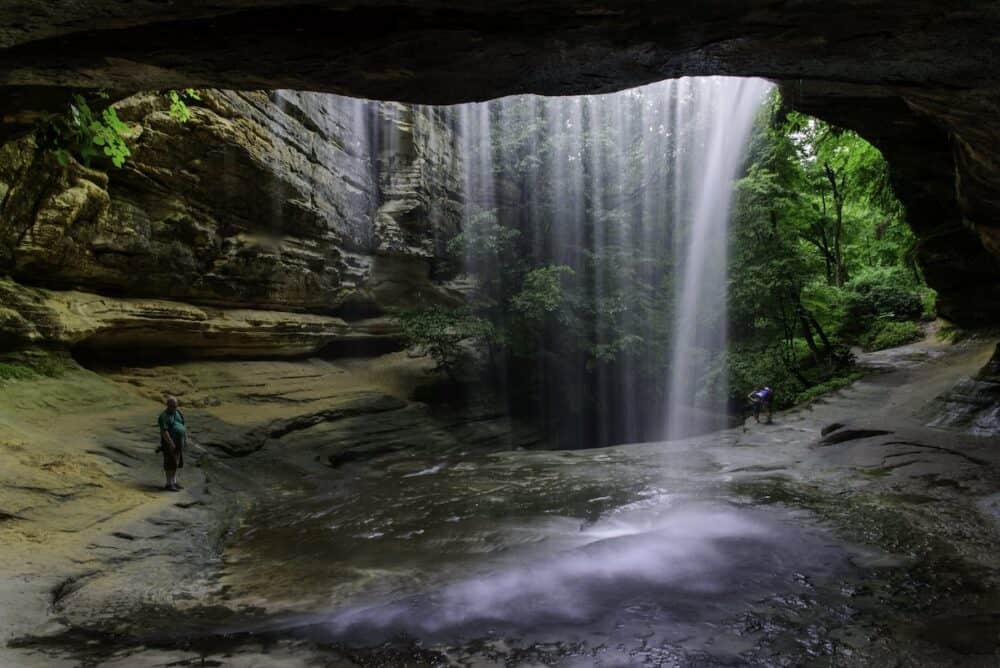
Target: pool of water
[[612, 548]]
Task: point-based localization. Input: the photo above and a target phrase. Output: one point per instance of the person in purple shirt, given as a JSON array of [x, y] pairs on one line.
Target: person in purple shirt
[[762, 397]]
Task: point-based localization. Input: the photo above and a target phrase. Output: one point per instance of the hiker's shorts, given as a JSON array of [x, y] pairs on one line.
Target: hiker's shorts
[[173, 458]]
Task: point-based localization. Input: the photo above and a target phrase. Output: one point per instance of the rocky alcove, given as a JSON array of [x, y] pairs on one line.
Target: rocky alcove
[[406, 451]]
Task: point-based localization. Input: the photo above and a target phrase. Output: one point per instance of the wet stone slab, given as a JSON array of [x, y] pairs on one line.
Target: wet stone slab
[[760, 547]]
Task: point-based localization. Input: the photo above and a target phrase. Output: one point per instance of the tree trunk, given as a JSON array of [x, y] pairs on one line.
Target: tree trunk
[[838, 207], [794, 370], [808, 336], [827, 347]]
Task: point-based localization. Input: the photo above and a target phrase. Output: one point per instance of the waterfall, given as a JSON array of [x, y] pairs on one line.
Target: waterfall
[[719, 118], [632, 192]]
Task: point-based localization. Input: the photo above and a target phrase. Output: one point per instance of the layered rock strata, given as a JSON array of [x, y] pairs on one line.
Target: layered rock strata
[[973, 404], [153, 328], [309, 209]]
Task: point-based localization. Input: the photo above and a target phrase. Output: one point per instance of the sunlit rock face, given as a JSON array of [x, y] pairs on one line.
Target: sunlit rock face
[[282, 201], [921, 67]]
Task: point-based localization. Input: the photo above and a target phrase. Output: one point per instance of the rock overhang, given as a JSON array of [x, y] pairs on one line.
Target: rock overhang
[[916, 78]]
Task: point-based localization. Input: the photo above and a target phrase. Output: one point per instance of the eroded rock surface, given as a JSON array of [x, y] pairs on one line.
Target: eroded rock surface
[[279, 201], [156, 329], [356, 519], [276, 224], [973, 404], [81, 477]]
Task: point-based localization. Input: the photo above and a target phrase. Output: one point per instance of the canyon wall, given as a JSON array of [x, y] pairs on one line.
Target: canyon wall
[[269, 223]]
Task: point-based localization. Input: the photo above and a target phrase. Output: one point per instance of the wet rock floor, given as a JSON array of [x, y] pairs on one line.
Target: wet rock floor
[[846, 533]]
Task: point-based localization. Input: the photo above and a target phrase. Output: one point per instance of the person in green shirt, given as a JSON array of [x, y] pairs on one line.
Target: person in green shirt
[[173, 438]]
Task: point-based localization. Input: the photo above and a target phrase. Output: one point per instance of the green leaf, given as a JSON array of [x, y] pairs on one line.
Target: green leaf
[[79, 132], [178, 108]]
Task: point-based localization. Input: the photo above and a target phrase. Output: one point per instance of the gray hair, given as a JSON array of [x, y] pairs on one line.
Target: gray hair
[[172, 398]]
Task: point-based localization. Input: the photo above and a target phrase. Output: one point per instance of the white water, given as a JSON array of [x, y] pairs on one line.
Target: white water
[[721, 116], [654, 565], [633, 191]]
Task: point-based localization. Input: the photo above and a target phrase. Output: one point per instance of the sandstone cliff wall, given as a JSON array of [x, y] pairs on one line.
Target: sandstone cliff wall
[[286, 202]]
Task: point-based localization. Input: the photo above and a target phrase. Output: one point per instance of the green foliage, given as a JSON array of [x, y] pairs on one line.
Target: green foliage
[[564, 295], [821, 258], [827, 303], [751, 365], [516, 300], [483, 237], [542, 292], [15, 372], [818, 244], [890, 333], [33, 363], [827, 386], [612, 350], [444, 334], [110, 136], [877, 294], [928, 301], [178, 103], [83, 134]]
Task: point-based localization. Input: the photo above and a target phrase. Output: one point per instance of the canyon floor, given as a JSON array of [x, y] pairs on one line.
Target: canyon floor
[[328, 518]]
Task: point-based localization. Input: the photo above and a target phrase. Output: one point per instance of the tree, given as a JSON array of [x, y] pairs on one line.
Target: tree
[[446, 334], [821, 253]]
